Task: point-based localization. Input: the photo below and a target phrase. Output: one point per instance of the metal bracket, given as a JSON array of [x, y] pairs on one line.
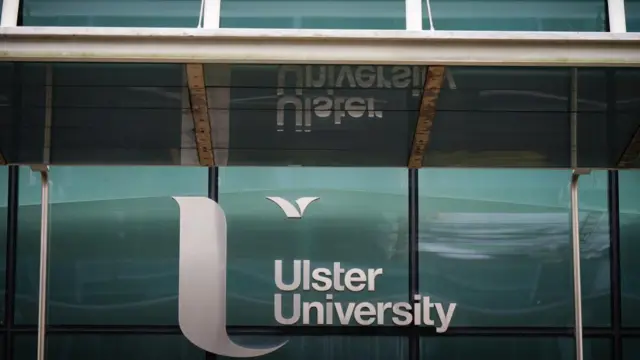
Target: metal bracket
[[582, 171], [40, 168]]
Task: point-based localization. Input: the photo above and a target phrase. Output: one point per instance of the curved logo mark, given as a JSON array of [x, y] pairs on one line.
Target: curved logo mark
[[289, 209], [202, 301]]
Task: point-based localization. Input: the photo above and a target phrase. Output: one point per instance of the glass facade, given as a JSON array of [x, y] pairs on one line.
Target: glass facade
[[338, 115], [312, 167], [523, 15], [494, 242]]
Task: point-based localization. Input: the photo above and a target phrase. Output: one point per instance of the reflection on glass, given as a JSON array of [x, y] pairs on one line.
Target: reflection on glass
[[307, 114], [469, 348], [497, 243], [114, 243], [512, 15], [629, 246], [313, 14], [358, 219], [114, 113], [330, 347], [496, 117], [109, 347], [3, 232], [112, 13]]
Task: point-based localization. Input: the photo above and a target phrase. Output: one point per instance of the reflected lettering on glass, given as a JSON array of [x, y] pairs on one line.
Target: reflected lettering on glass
[[328, 91]]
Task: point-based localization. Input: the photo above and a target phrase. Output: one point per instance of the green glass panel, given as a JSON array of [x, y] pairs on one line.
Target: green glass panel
[[109, 347], [313, 14], [330, 347], [496, 116], [510, 15], [498, 244], [113, 247], [471, 348], [629, 246], [109, 113], [3, 234], [112, 13], [632, 10], [339, 115], [630, 348], [359, 219], [316, 115]]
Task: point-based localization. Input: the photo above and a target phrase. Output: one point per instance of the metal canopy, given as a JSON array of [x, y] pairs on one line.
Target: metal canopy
[[316, 115], [271, 46]]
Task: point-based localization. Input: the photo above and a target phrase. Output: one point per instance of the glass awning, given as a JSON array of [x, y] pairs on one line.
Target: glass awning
[[318, 115]]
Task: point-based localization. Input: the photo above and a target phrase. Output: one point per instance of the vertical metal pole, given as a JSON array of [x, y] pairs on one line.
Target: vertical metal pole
[[617, 16], [413, 14], [10, 274], [573, 108], [575, 214], [614, 263], [48, 114], [10, 10], [44, 260], [577, 288], [211, 14], [414, 258]]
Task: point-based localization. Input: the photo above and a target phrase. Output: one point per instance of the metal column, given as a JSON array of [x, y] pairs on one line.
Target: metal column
[[617, 16], [211, 14], [10, 10], [575, 245], [575, 213], [44, 260]]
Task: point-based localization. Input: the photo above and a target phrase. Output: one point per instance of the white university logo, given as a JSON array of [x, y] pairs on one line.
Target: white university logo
[[202, 298], [289, 210]]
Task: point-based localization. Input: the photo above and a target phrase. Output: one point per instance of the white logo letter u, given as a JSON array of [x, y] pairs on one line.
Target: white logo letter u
[[202, 298]]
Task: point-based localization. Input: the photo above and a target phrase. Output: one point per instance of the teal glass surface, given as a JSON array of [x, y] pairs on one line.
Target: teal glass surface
[[632, 10], [360, 219], [510, 15], [520, 348], [331, 347], [630, 348], [313, 115], [630, 246], [109, 347], [114, 237], [111, 13], [498, 243], [314, 14]]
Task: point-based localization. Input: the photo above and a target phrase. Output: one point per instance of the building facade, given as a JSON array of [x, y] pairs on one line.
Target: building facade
[[495, 242], [319, 129]]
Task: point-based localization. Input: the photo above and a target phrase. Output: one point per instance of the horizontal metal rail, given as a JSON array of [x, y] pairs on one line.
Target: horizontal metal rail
[[272, 46]]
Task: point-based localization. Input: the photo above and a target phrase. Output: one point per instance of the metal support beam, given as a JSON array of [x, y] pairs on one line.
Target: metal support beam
[[200, 113], [44, 260], [10, 9], [577, 289], [631, 153], [413, 14], [211, 14], [617, 16], [432, 85], [295, 46]]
